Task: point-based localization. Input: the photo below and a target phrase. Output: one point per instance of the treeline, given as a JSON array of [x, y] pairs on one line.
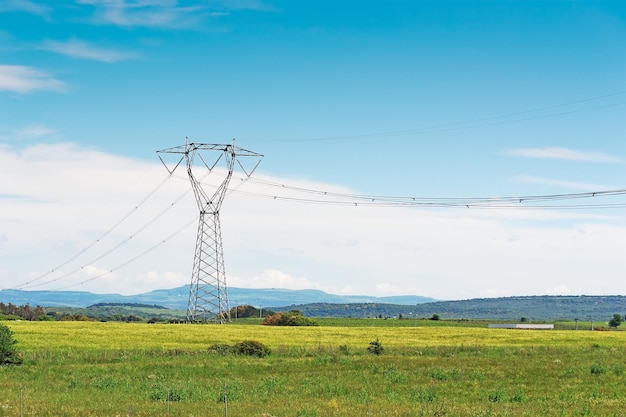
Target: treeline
[[245, 311], [506, 308], [158, 307], [25, 312], [11, 311]]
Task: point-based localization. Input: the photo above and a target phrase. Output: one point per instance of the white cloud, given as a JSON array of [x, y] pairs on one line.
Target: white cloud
[[167, 13], [562, 153], [584, 186], [24, 6], [27, 133], [340, 243], [559, 290], [147, 13], [62, 201], [36, 131], [386, 288], [22, 79], [272, 278], [33, 132], [494, 293], [82, 50]]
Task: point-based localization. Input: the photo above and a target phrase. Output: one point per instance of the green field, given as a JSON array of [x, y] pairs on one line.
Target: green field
[[430, 369]]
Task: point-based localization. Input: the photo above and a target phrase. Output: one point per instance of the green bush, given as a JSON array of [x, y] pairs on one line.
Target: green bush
[[290, 318], [375, 347], [615, 321], [251, 348], [597, 369], [245, 348], [8, 352], [220, 349]]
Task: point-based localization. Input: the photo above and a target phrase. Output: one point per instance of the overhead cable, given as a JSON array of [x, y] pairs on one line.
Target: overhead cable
[[99, 238]]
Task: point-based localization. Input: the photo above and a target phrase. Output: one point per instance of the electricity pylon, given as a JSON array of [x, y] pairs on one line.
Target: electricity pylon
[[208, 294]]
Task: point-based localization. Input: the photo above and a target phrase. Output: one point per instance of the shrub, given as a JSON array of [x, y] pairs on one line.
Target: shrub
[[498, 395], [272, 320], [615, 321], [160, 393], [375, 347], [597, 369], [220, 349], [8, 352], [76, 317], [251, 348], [290, 318]]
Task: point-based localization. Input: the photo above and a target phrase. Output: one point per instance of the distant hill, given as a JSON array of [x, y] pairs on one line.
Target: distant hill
[[176, 298], [584, 308], [315, 303]]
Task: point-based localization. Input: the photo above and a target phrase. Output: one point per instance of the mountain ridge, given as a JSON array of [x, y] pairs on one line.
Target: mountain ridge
[[316, 303], [177, 298]]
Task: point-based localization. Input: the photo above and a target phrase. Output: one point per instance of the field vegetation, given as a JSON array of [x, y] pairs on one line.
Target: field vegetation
[[420, 368]]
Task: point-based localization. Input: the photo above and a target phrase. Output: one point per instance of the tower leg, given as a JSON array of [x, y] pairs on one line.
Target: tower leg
[[208, 295]]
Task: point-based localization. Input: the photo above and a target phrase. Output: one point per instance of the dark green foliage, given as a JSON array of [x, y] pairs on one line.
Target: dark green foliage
[[76, 317], [247, 311], [128, 305], [498, 395], [597, 369], [424, 394], [251, 348], [565, 307], [25, 312], [375, 347], [8, 352], [435, 317], [160, 393], [290, 318], [220, 349], [615, 321], [245, 348]]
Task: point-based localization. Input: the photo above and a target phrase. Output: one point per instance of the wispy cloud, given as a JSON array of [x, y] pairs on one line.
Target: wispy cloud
[[562, 153], [82, 50], [574, 185], [147, 13], [23, 80], [83, 192], [24, 6], [33, 132], [167, 13]]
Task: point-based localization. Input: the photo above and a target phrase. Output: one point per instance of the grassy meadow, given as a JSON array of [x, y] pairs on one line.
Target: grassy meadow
[[426, 369]]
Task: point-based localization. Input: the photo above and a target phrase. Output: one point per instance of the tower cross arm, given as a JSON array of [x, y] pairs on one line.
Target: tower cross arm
[[189, 147]]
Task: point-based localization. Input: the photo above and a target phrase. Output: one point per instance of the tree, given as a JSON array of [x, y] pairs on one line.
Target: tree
[[290, 318], [8, 352], [615, 321], [375, 347]]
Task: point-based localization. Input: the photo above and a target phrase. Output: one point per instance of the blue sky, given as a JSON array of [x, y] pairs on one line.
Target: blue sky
[[402, 98]]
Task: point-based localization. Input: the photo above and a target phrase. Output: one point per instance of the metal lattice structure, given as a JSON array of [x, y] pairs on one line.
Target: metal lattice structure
[[208, 293]]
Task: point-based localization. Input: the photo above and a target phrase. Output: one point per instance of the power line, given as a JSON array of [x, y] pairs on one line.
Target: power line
[[99, 238], [114, 248], [474, 123], [333, 198], [131, 260], [347, 199], [506, 203]]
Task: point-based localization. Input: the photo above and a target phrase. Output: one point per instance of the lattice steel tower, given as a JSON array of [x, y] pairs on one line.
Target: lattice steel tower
[[208, 294]]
